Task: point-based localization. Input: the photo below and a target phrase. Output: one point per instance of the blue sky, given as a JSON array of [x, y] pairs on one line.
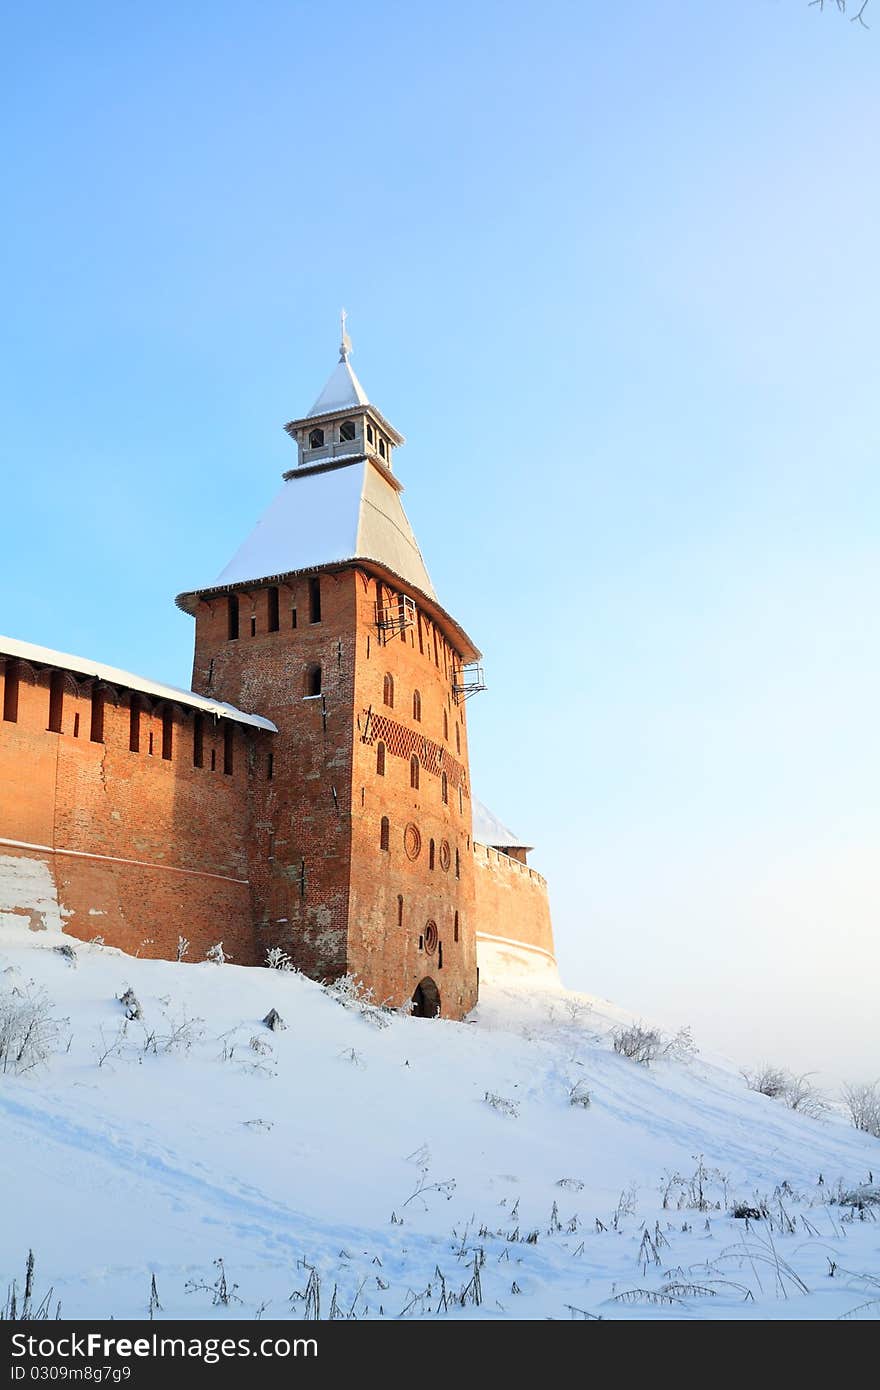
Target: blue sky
[[613, 271]]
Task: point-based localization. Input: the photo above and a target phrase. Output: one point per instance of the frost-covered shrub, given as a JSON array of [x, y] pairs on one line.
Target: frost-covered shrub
[[638, 1043], [694, 1192], [131, 1004], [800, 1094], [351, 993], [183, 1034], [681, 1046], [502, 1104], [278, 959], [767, 1081], [861, 1198], [22, 1306], [28, 1032], [863, 1107], [576, 1008], [182, 947], [579, 1095], [797, 1092], [216, 955], [646, 1045]]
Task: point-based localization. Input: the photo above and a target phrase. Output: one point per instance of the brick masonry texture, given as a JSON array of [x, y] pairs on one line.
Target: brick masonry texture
[[512, 901], [142, 848], [345, 838]]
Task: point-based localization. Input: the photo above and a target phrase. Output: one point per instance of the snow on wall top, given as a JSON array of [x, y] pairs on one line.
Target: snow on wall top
[[322, 518], [45, 656], [342, 390], [488, 829]]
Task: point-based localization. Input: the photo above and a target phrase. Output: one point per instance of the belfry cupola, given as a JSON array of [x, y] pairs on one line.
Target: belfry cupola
[[342, 425], [339, 507]]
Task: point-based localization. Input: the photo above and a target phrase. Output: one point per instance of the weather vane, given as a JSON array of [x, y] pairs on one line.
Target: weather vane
[[345, 345]]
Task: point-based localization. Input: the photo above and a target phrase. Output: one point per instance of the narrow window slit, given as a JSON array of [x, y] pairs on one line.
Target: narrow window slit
[[134, 725], [272, 609], [199, 741], [314, 600], [232, 617], [96, 733], [167, 734], [56, 702], [10, 692]]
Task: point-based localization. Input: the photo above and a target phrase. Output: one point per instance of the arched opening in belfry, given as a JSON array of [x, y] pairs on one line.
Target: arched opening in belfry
[[426, 999]]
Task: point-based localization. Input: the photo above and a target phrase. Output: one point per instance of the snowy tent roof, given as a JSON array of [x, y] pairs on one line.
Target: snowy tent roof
[[336, 510], [488, 830], [45, 656], [341, 391], [325, 516]]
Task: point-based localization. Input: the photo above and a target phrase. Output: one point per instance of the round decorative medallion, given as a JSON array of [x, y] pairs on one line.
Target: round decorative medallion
[[431, 937], [412, 841], [445, 856]]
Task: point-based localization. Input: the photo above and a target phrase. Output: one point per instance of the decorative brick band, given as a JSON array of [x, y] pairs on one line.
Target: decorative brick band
[[403, 742]]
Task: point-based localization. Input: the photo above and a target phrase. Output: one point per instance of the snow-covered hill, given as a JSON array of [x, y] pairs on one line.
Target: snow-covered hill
[[423, 1168]]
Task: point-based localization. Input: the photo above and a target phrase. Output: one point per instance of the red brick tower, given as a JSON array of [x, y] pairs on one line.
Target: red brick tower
[[326, 622]]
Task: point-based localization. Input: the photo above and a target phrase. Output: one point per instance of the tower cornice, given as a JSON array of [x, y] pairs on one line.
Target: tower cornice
[[453, 632]]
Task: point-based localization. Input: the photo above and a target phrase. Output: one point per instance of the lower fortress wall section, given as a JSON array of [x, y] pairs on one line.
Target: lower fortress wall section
[[512, 911], [140, 848]]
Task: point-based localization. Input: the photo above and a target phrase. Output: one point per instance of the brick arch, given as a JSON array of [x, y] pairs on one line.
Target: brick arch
[[113, 693], [160, 706], [426, 999], [24, 669]]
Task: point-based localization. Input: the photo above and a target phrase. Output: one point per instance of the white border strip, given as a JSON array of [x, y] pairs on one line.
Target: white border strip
[[114, 859], [523, 945]]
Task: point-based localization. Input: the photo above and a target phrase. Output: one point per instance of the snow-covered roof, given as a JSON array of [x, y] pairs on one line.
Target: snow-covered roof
[[341, 391], [322, 517], [488, 830], [45, 656]]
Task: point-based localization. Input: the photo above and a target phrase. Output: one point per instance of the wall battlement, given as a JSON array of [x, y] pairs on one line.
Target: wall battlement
[[142, 847]]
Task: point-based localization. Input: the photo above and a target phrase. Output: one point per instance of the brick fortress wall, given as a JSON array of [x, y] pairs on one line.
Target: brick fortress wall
[[323, 838], [512, 909], [142, 847]]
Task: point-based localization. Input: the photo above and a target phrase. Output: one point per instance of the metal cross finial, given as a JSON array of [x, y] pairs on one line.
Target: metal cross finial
[[345, 345]]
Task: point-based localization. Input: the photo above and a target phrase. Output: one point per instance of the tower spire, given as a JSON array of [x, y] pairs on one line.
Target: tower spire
[[345, 344]]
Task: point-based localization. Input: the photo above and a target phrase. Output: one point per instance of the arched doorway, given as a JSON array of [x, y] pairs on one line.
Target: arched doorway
[[426, 1000]]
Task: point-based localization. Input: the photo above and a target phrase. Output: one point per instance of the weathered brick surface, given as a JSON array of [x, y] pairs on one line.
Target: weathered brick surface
[[288, 848], [299, 850], [385, 935], [322, 885], [143, 849]]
